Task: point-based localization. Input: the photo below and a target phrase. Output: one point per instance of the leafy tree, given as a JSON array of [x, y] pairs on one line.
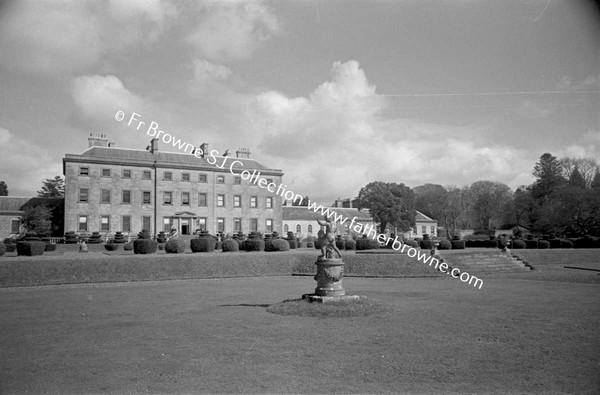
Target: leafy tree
[[431, 200], [548, 172], [3, 189], [576, 180], [489, 202], [52, 188], [37, 219], [455, 209], [389, 203], [587, 167]]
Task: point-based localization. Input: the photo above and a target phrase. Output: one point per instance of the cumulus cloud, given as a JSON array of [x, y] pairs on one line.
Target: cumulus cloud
[[99, 97], [61, 37], [232, 30], [24, 164], [206, 72], [586, 146], [337, 139]]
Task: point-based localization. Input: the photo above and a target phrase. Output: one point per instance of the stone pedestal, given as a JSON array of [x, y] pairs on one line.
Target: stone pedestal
[[330, 273]]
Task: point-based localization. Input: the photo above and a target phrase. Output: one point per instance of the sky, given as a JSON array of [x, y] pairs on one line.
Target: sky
[[336, 94]]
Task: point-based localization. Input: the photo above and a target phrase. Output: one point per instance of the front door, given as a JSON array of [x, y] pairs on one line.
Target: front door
[[185, 226]]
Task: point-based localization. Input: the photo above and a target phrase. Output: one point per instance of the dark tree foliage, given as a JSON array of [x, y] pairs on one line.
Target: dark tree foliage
[[596, 181], [3, 189], [389, 203], [576, 180], [431, 200], [53, 188], [548, 171], [490, 200], [37, 219]]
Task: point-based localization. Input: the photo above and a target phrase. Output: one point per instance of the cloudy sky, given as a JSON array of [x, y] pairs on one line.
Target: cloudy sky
[[335, 93]]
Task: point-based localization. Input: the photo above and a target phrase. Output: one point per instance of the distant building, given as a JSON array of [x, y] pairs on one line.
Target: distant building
[[303, 221], [423, 225], [12, 209], [110, 189]]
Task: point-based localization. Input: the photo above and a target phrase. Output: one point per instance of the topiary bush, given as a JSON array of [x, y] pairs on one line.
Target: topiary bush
[[30, 248], [50, 247], [219, 245], [161, 246], [128, 246], [280, 245], [175, 246], [411, 243], [584, 242], [204, 243], [2, 249], [96, 238], [566, 244], [458, 244], [71, 237], [531, 244], [554, 243], [543, 244], [231, 246], [517, 245], [350, 244], [491, 243], [366, 243], [293, 243], [445, 245], [144, 246], [111, 246], [254, 244], [340, 243], [144, 234], [119, 238], [426, 244]]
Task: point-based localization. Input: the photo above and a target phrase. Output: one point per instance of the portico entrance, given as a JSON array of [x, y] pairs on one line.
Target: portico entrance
[[185, 222]]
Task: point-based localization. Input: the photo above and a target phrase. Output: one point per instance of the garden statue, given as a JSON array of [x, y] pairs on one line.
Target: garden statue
[[327, 239], [173, 233]]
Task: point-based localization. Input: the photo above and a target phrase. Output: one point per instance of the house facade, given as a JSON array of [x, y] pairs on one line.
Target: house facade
[[303, 221], [109, 189]]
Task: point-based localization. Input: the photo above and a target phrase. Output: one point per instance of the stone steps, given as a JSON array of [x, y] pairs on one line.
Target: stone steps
[[491, 262]]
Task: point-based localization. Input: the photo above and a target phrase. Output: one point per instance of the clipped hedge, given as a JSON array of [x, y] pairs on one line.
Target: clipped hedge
[[491, 243], [366, 244], [531, 244], [349, 244], [144, 246], [175, 246], [340, 244], [543, 244], [111, 246], [445, 245], [128, 246], [411, 243], [566, 244], [2, 249], [518, 245], [293, 244], [30, 248], [279, 245], [231, 245], [254, 245], [426, 244], [458, 244], [554, 243], [203, 244]]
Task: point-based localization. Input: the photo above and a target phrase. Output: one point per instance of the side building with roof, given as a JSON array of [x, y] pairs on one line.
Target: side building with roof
[[109, 189], [12, 209], [303, 221]]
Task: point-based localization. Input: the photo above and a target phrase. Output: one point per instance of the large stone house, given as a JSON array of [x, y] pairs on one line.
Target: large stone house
[[110, 189]]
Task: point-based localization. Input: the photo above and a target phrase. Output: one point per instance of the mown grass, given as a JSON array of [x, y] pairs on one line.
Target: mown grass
[[343, 308]]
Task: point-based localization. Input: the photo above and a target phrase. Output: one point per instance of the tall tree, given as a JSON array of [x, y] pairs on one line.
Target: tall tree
[[303, 203], [37, 219], [455, 210], [3, 189], [389, 203], [576, 180], [52, 188], [431, 200], [596, 181], [548, 172], [489, 201]]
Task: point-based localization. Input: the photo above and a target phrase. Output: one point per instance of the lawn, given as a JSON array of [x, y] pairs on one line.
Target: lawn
[[436, 335]]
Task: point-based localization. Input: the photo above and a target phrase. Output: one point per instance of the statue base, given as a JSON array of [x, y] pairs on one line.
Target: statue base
[[329, 299], [330, 272]]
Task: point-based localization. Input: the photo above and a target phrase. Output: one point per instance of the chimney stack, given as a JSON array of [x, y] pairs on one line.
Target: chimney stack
[[99, 140], [243, 153]]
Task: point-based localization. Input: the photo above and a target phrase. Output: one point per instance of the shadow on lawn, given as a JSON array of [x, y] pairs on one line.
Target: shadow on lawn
[[244, 305]]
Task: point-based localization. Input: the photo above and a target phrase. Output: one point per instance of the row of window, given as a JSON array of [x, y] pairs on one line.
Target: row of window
[[105, 198], [167, 175], [200, 224], [286, 228]]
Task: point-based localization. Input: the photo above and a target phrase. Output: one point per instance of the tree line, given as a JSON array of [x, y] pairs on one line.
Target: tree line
[[564, 200]]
